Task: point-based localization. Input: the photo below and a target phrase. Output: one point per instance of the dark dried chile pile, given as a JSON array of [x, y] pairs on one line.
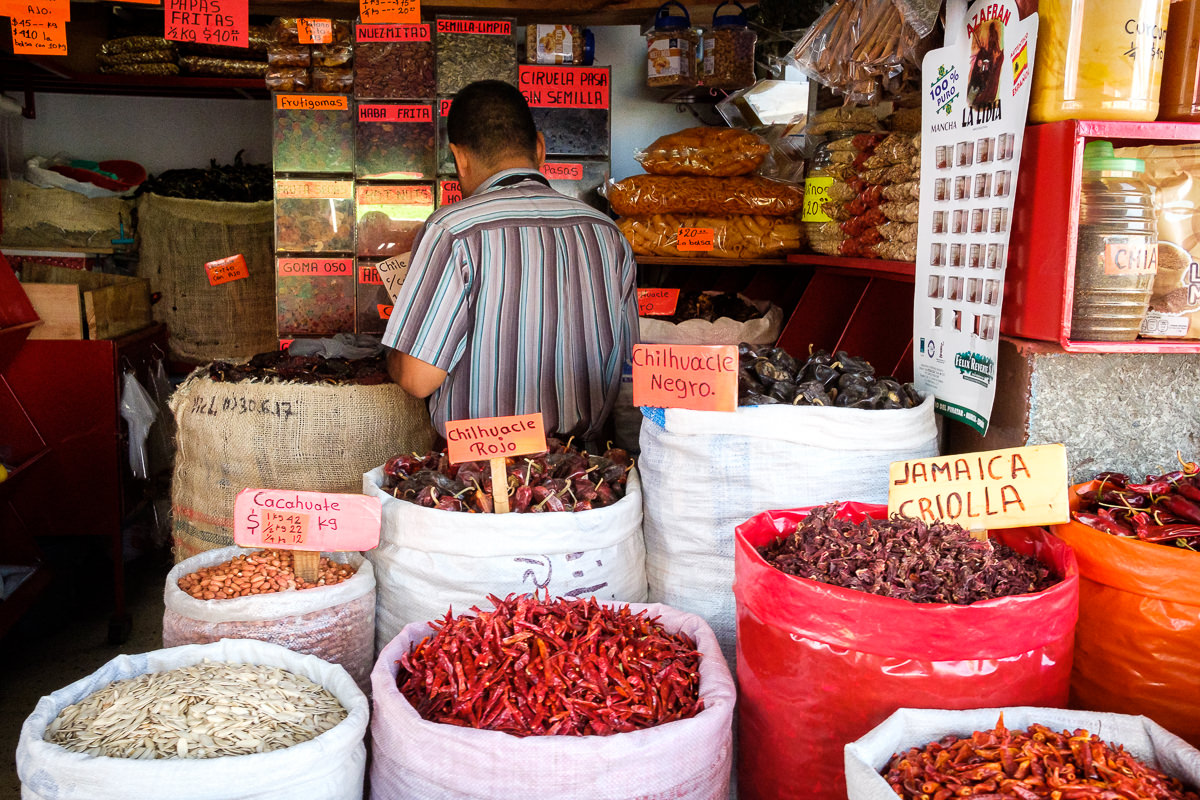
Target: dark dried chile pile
[[710, 307], [234, 183], [904, 558], [1028, 765], [540, 667], [279, 366], [1164, 509], [770, 375], [562, 479]]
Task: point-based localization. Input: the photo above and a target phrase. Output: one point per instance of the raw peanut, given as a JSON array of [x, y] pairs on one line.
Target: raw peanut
[[261, 572]]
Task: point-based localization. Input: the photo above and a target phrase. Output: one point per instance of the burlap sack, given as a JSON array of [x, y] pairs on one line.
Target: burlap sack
[[55, 219], [315, 437], [178, 237]]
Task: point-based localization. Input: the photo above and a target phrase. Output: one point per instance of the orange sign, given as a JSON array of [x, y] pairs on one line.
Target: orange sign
[[293, 520], [224, 270], [41, 35], [496, 437], [698, 240], [657, 302], [284, 344], [314, 31], [225, 23], [385, 312], [37, 10], [562, 172], [699, 377], [390, 10], [312, 102]]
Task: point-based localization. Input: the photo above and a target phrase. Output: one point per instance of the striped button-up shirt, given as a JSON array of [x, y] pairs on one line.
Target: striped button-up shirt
[[527, 299]]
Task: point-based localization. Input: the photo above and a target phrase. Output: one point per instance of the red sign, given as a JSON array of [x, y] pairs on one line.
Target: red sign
[[385, 312], [311, 190], [384, 195], [389, 10], [392, 33], [497, 437], [563, 172], [699, 377], [657, 302], [312, 102], [697, 240], [224, 22], [327, 267], [376, 112], [368, 275], [284, 344], [564, 87], [495, 27], [449, 192], [314, 31], [444, 106], [294, 520], [224, 270]]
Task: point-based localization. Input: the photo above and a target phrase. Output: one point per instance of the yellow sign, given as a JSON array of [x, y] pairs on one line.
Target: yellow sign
[[993, 489]]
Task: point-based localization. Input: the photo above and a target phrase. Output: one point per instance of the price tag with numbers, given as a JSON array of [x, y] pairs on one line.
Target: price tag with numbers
[[227, 23], [312, 30], [698, 240], [390, 10], [40, 35], [296, 520]]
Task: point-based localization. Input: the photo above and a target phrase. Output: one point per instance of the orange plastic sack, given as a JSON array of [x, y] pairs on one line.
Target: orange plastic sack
[[1137, 643], [819, 666]]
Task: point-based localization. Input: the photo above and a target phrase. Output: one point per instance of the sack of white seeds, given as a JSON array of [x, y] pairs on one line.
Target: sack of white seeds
[[330, 767], [335, 623]]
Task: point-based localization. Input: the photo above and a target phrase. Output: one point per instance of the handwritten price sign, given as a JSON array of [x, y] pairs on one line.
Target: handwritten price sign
[[224, 22], [224, 270], [40, 35], [699, 377], [390, 10], [697, 240], [495, 437], [293, 520], [314, 30], [657, 302]]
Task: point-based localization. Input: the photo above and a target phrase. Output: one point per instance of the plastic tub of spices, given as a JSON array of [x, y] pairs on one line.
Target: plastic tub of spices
[[395, 140], [314, 296], [374, 303], [314, 216], [472, 48], [313, 133], [570, 107], [389, 216], [394, 61]]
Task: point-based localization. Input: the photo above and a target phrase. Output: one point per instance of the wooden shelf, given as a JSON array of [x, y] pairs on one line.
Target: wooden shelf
[[711, 261], [15, 472], [44, 75], [870, 267]]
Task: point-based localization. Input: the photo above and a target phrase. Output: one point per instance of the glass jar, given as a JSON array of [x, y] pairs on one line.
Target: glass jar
[[671, 49], [824, 236], [1116, 252], [1098, 60], [729, 51], [1179, 97]]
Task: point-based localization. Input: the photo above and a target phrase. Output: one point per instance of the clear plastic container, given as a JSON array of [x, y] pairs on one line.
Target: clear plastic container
[[729, 51], [1116, 253], [389, 216], [313, 133], [395, 141], [817, 180], [393, 61], [1098, 60], [559, 44], [314, 216], [1179, 96], [671, 49], [580, 179], [471, 49], [445, 159], [314, 296], [373, 305]]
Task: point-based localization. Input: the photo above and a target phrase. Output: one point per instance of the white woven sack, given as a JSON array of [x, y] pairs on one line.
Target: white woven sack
[[688, 759], [335, 623], [1142, 738], [429, 561], [760, 331], [706, 472], [330, 766]]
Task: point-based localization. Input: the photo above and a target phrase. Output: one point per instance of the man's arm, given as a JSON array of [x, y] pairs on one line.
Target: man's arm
[[413, 375]]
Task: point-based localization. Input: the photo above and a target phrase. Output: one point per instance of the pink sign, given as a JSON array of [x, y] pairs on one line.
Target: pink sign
[[294, 520]]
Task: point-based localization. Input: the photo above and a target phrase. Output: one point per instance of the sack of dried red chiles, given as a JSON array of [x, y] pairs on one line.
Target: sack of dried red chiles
[[771, 376], [562, 479]]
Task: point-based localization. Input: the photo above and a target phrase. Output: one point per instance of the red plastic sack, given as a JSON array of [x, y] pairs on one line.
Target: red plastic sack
[[1138, 636], [819, 666]]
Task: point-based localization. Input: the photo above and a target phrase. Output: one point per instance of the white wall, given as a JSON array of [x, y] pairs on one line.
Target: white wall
[[167, 133]]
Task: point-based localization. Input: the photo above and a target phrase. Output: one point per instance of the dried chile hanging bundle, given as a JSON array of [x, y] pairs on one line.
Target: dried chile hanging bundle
[[904, 558], [233, 183], [279, 366], [1028, 765], [769, 376], [562, 479], [540, 667], [1164, 509], [710, 307]]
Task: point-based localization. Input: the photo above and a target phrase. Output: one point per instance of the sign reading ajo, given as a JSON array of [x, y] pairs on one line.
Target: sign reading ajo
[[495, 437], [316, 521], [699, 377], [993, 489]]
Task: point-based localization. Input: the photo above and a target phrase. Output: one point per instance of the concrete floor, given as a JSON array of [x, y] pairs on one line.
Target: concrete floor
[[64, 635]]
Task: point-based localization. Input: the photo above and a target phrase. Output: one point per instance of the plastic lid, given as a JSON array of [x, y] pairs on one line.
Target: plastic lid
[[663, 21], [589, 47], [1098, 157], [737, 20]]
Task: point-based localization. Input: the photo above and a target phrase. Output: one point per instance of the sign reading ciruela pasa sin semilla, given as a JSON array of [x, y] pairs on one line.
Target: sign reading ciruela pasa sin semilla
[[993, 489]]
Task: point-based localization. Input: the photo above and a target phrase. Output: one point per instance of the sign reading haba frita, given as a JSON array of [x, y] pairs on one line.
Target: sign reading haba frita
[[297, 520], [993, 489], [487, 438]]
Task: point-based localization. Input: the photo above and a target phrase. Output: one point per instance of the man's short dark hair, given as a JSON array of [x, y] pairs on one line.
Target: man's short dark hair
[[492, 119]]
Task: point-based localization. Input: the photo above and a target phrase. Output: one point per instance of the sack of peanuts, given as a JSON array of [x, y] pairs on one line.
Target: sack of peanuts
[[429, 560], [722, 152], [234, 593], [736, 236], [199, 722], [686, 758], [665, 194]]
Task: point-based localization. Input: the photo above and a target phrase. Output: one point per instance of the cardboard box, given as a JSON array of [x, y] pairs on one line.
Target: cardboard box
[[74, 304]]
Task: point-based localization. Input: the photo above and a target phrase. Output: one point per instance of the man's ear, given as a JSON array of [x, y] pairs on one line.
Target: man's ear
[[461, 158], [541, 150]]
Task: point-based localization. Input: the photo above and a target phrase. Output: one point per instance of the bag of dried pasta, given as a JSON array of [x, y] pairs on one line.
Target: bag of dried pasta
[[735, 236], [705, 150]]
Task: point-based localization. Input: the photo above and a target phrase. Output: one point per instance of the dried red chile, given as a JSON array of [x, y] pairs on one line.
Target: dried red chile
[[562, 479], [770, 376], [539, 667], [904, 558], [1164, 509], [277, 365]]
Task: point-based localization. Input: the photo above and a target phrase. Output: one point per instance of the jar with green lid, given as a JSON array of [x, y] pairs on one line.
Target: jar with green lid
[[824, 235], [729, 50], [671, 48], [1116, 251]]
